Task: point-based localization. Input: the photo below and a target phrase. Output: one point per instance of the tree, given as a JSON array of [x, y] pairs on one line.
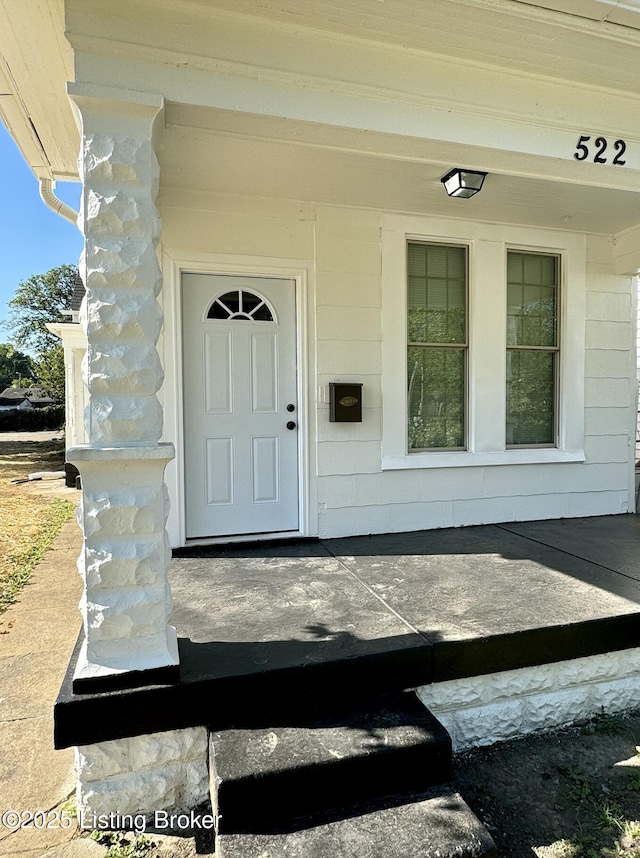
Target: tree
[[38, 300], [14, 365], [49, 370]]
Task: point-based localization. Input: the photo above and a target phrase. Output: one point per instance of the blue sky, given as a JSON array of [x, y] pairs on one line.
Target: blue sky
[[32, 238]]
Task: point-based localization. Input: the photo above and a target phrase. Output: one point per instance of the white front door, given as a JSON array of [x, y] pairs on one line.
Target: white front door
[[240, 406]]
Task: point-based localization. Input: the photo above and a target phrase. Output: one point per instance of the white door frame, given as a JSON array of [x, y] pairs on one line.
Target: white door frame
[[172, 395]]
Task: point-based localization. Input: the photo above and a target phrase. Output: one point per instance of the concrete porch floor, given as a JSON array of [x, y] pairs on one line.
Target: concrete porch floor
[[268, 607], [268, 621]]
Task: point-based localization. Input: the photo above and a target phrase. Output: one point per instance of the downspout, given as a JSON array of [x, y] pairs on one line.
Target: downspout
[[47, 187], [49, 198]]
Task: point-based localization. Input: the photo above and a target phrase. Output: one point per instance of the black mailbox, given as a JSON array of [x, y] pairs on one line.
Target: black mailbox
[[345, 402]]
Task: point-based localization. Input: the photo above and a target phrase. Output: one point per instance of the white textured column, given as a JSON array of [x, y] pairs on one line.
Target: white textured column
[[126, 601]]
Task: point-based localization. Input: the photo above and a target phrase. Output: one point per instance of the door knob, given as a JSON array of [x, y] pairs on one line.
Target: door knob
[[291, 425]]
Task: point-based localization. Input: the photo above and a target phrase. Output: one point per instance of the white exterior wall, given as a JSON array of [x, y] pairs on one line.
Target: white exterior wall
[[350, 492], [76, 393], [610, 385], [362, 118], [349, 306]]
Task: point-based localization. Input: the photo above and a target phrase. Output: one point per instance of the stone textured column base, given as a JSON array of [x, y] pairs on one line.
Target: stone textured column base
[[143, 775], [481, 710], [126, 601], [89, 678]]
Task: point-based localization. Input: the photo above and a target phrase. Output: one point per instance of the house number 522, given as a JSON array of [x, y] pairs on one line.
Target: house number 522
[[601, 145]]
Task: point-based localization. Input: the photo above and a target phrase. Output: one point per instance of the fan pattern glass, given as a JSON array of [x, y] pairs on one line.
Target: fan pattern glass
[[241, 305]]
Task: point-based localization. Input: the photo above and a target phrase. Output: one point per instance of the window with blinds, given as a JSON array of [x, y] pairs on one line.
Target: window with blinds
[[532, 348], [437, 346]]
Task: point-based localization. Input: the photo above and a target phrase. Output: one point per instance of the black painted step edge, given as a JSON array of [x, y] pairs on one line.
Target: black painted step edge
[[230, 701], [87, 718]]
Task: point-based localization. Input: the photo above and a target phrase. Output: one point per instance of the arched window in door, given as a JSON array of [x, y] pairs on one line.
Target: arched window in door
[[240, 304]]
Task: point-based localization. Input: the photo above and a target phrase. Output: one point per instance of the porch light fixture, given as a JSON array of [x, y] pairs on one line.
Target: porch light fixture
[[463, 183]]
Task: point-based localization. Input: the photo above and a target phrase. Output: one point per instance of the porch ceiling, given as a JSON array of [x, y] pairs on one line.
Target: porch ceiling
[[624, 12], [215, 152], [553, 36]]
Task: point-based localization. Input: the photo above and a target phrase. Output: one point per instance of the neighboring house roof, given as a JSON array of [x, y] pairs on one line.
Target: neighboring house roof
[[78, 294], [15, 396], [76, 300]]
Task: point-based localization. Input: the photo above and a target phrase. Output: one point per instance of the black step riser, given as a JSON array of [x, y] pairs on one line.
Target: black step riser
[[313, 689], [247, 804], [382, 747]]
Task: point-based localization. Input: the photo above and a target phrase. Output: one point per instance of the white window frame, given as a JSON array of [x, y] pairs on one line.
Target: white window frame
[[487, 308]]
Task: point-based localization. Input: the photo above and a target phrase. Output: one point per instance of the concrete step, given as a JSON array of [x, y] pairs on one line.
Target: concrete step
[[433, 824], [385, 746]]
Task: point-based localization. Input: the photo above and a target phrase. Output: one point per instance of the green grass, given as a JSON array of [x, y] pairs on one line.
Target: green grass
[[579, 787], [604, 724], [22, 562], [120, 846], [599, 806]]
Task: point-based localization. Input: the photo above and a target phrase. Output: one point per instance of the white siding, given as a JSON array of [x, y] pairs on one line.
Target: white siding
[[609, 392], [352, 494]]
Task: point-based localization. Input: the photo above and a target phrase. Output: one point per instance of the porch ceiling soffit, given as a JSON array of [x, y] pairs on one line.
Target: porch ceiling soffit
[[624, 13], [626, 248], [563, 42], [206, 154], [343, 82], [70, 333], [35, 63], [37, 58]]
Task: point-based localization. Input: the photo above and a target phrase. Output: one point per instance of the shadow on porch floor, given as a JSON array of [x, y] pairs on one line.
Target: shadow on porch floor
[[260, 624]]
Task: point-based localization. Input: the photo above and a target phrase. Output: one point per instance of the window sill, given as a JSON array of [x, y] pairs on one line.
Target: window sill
[[464, 458]]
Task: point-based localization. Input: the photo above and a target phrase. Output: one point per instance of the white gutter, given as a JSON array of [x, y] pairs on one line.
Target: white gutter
[[49, 198]]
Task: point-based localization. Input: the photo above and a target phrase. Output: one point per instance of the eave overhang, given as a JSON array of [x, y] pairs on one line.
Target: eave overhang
[[35, 64]]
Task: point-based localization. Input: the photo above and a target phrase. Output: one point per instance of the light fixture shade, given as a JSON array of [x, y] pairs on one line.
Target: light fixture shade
[[463, 183]]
